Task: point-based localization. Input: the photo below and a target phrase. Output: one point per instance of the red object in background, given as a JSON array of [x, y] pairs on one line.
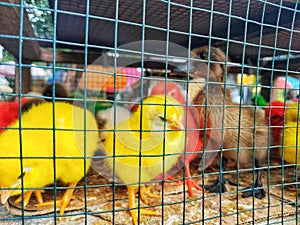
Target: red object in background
[[9, 112], [276, 111]]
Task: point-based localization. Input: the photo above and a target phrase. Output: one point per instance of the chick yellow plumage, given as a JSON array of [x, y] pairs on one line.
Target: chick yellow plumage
[[142, 143], [194, 144], [289, 145], [291, 135], [292, 112], [39, 140]]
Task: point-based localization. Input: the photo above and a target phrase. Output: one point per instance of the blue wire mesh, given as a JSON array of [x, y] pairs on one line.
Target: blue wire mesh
[[257, 37]]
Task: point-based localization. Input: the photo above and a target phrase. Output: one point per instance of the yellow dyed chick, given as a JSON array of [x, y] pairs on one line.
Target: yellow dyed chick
[[139, 146], [38, 136], [292, 112], [291, 135]]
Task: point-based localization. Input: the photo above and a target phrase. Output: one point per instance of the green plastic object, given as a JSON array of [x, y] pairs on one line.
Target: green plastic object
[[260, 101]]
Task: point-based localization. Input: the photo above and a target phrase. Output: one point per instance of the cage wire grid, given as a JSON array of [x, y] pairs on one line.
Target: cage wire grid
[[257, 37]]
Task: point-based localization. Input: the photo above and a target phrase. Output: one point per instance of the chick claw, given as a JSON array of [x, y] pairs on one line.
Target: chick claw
[[192, 184], [134, 214], [64, 202], [51, 203], [144, 193], [27, 196]]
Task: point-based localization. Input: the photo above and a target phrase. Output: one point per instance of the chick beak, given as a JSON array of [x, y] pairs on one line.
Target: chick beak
[[194, 69], [182, 69], [5, 194], [177, 126]]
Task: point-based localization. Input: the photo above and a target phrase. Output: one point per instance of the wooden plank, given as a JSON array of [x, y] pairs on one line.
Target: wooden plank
[[46, 55], [10, 25], [26, 80]]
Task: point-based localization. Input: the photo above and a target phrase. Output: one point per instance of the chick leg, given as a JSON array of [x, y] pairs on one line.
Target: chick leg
[[219, 185], [27, 196], [64, 202], [67, 197], [38, 196], [132, 206], [190, 182], [256, 191]]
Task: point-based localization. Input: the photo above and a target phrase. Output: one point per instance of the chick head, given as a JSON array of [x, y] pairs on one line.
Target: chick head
[[216, 58], [198, 64], [160, 113]]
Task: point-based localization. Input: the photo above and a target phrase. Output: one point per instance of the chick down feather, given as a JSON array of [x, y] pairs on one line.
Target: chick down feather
[[60, 133]]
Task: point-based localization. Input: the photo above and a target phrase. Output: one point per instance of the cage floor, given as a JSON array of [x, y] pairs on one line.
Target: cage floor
[[178, 208]]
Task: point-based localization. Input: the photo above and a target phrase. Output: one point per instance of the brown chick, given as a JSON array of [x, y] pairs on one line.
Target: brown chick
[[245, 133], [216, 61]]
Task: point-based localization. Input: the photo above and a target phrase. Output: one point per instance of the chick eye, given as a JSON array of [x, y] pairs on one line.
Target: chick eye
[[22, 175], [277, 117], [203, 55], [163, 119]]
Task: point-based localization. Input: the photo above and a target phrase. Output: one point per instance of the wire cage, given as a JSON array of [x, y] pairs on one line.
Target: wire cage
[[191, 105]]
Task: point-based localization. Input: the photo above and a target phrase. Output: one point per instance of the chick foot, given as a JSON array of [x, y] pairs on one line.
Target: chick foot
[[134, 214], [189, 182], [219, 185], [132, 205], [145, 194], [27, 196], [64, 202], [257, 191], [58, 202]]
